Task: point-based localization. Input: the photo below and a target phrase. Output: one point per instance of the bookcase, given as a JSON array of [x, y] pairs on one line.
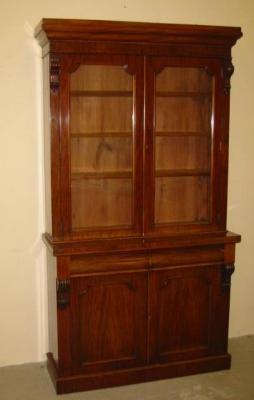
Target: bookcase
[[136, 163]]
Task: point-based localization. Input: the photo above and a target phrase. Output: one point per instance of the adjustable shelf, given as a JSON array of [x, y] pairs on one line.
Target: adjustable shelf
[[79, 174], [183, 133], [182, 172], [100, 134], [101, 93], [182, 94]]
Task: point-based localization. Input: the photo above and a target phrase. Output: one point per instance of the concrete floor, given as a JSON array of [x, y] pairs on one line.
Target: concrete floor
[[31, 382]]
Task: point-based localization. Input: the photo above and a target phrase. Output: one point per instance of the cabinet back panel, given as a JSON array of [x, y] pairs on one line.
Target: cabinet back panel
[[186, 79], [101, 203], [101, 114], [98, 77], [181, 199], [182, 152], [101, 154], [184, 114]]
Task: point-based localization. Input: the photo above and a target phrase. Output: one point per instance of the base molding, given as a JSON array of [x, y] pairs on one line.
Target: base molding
[[76, 383]]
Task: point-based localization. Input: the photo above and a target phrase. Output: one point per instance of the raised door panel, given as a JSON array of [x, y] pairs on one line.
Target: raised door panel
[[183, 305], [183, 136], [109, 314], [102, 174]]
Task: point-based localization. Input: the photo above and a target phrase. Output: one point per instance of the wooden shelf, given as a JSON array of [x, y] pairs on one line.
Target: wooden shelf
[[100, 134], [101, 93], [130, 134], [79, 174], [182, 94], [182, 172], [183, 133]]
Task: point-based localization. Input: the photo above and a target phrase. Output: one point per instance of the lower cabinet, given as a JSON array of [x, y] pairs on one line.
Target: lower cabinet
[[122, 320], [109, 321], [141, 322]]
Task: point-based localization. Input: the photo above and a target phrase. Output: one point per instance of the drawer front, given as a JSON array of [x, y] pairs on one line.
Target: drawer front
[[187, 256], [80, 265]]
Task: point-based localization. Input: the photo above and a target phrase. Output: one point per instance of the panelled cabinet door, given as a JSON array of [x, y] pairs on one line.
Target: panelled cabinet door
[[183, 307], [102, 170], [109, 314], [183, 139]]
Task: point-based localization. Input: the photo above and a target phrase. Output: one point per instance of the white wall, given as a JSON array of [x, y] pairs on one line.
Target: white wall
[[23, 323]]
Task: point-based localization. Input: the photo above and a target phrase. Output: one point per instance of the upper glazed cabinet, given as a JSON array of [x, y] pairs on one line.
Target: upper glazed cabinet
[[143, 141]]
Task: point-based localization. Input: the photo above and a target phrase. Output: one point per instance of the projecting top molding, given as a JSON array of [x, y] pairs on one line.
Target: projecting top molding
[[50, 30]]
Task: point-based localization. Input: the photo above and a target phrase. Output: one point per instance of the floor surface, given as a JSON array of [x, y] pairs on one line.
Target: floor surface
[[31, 382]]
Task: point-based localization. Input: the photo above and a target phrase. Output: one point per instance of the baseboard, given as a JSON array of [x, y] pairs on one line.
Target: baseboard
[[77, 383]]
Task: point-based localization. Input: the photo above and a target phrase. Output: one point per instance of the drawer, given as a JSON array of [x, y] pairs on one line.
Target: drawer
[[185, 256], [108, 263]]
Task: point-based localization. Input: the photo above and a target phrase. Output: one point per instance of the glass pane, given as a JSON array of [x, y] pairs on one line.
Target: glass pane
[[181, 199], [101, 130], [183, 152], [101, 202], [183, 127], [100, 154]]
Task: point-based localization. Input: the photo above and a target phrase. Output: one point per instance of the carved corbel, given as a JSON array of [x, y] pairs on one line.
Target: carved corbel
[[63, 287], [54, 74], [227, 271], [226, 72]]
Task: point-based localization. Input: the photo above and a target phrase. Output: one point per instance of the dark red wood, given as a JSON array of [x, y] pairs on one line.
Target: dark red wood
[[76, 383], [63, 321], [183, 318], [79, 246], [92, 30], [115, 306], [146, 302], [54, 73]]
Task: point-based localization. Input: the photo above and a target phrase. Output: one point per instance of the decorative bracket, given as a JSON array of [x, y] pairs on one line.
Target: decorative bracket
[[226, 72], [63, 292], [226, 272], [54, 74]]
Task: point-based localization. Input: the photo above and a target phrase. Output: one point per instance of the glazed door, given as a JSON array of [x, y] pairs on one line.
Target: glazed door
[[184, 306], [183, 183], [102, 171], [109, 321]]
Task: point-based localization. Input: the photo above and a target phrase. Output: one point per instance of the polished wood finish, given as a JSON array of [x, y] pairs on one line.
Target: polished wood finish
[[183, 313], [79, 382], [116, 305], [136, 155]]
